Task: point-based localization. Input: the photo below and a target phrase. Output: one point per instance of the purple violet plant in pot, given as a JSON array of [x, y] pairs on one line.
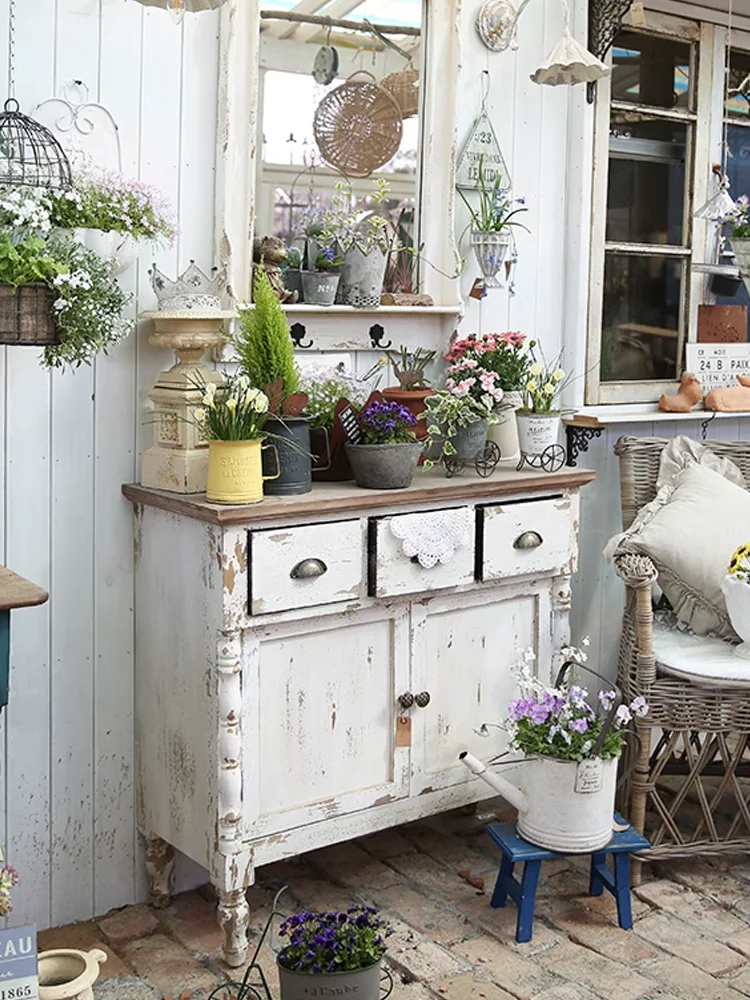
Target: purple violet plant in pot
[[333, 954], [387, 455]]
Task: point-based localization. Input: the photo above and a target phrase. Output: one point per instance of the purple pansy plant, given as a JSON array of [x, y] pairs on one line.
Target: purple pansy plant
[[559, 721], [386, 423], [344, 941]]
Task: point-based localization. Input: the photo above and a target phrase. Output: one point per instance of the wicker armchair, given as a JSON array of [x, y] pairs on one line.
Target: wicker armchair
[[687, 791]]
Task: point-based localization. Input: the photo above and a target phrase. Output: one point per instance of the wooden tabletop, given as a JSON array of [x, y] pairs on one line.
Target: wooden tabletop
[[338, 498], [15, 592]]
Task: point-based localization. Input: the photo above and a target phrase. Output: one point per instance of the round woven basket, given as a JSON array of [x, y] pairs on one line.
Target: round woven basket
[[358, 126], [404, 89]]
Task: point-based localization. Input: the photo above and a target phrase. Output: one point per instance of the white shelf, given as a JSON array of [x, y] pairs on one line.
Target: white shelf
[[646, 414]]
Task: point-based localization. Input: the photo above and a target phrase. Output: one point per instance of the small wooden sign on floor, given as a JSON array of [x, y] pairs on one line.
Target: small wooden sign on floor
[[19, 978]]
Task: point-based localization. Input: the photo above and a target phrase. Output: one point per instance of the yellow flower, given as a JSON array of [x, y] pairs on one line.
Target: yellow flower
[[536, 368], [231, 404], [549, 388], [200, 415], [531, 386], [558, 374], [260, 404]]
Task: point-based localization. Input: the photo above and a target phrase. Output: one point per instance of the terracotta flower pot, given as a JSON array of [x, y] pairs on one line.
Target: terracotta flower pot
[[414, 401]]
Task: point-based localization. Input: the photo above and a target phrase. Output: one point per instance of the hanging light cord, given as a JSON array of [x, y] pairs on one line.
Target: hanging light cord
[[12, 49]]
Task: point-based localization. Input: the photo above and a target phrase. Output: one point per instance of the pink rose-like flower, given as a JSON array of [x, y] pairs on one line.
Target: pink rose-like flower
[[463, 387]]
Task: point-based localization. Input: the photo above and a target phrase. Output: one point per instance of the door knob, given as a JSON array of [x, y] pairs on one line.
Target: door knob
[[406, 700], [422, 699]]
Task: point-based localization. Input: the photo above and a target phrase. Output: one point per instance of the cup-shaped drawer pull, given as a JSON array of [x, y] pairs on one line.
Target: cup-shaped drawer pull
[[528, 540], [308, 569]]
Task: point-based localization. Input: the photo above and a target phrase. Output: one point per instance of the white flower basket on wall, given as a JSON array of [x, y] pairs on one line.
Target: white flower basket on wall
[[490, 250], [120, 247]]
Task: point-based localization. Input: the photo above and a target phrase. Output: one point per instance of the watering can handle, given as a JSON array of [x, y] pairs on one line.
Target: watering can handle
[[610, 717]]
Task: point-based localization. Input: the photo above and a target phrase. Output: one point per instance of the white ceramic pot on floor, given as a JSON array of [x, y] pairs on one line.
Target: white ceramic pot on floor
[[69, 974]]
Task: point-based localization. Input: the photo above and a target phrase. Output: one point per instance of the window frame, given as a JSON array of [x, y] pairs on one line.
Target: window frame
[[703, 150]]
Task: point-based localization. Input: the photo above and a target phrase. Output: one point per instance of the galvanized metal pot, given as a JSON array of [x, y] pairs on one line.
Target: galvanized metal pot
[[362, 277], [295, 457], [319, 287], [384, 466], [470, 441], [364, 984], [741, 251]]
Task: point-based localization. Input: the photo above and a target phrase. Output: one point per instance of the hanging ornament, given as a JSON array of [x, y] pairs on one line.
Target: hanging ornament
[[569, 62], [497, 22], [326, 65], [177, 8], [719, 205], [482, 144]]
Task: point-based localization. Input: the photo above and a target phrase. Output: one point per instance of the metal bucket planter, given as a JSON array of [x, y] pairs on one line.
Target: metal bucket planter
[[384, 466], [291, 436], [293, 282], [537, 431], [741, 251], [490, 250], [362, 276], [319, 287], [235, 471], [364, 984], [505, 432], [469, 442]]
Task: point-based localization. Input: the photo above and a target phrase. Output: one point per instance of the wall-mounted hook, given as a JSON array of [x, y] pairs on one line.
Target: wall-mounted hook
[[298, 332], [376, 337]]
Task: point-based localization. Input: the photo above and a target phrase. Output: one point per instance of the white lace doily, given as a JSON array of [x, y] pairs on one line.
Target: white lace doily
[[433, 536]]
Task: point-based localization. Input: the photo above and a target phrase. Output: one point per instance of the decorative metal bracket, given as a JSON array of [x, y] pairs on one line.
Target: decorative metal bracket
[[578, 439], [376, 337], [298, 331], [605, 20]]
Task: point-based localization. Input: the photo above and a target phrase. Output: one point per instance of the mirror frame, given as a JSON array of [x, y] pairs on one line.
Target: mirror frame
[[236, 147]]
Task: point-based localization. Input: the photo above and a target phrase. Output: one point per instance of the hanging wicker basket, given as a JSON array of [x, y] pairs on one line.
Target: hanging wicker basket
[[358, 126], [404, 89], [26, 316]]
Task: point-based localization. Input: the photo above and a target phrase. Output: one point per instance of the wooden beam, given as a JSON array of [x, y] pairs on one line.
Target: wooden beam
[[336, 10], [281, 30], [329, 22]]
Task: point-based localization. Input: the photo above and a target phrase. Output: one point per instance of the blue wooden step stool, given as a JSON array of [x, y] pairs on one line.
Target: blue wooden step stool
[[515, 849]]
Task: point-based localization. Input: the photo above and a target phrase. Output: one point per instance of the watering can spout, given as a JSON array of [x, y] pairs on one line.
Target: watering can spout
[[503, 787]]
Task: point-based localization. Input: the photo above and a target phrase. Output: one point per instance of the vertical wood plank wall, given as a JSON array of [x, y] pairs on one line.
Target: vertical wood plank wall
[[69, 440]]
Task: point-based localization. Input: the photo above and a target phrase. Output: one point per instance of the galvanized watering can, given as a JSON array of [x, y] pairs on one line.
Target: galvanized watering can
[[564, 805]]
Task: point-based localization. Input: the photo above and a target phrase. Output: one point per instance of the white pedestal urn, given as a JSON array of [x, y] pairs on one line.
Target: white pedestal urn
[[537, 431], [178, 459], [505, 432], [490, 249]]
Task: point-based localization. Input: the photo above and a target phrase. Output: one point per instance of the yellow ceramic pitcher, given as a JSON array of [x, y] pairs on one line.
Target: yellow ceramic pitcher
[[235, 471]]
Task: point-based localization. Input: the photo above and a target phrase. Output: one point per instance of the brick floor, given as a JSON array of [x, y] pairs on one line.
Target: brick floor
[[691, 937]]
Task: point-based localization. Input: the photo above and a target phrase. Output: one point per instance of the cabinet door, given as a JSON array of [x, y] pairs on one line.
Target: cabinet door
[[319, 718], [463, 652]]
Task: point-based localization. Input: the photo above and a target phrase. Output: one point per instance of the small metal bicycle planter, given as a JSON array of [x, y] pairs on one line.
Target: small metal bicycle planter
[[549, 460], [485, 464], [259, 989]]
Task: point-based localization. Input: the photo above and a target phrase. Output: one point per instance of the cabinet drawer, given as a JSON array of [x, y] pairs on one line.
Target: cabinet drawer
[[304, 566], [535, 536], [392, 572]]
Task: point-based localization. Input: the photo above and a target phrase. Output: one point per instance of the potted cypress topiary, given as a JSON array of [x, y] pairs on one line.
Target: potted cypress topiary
[[266, 355], [333, 954]]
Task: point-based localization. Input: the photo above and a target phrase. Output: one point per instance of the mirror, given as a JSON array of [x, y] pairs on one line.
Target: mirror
[[338, 119]]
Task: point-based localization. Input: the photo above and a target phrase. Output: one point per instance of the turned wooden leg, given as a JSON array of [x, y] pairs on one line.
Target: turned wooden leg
[[160, 868], [234, 919]]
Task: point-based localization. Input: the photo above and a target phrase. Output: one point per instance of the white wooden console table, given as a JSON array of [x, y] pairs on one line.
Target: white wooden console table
[[300, 681]]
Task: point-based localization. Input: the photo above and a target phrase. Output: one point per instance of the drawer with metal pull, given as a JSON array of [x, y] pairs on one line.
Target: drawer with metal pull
[[300, 567], [445, 540], [526, 537]]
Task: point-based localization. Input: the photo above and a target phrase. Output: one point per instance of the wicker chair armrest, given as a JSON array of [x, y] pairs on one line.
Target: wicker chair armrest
[[636, 571]]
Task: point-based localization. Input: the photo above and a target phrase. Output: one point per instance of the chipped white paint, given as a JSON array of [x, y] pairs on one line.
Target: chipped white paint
[[339, 550], [547, 527], [265, 736]]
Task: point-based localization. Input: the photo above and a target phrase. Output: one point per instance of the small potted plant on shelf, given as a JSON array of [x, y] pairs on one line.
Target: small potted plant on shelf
[[320, 283], [113, 215], [266, 355], [505, 355], [292, 270], [539, 418], [413, 389], [333, 954], [387, 455], [492, 224], [329, 390], [361, 232], [570, 752], [233, 419], [456, 426]]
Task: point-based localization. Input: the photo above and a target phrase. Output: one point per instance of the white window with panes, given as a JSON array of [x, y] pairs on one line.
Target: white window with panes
[[660, 119]]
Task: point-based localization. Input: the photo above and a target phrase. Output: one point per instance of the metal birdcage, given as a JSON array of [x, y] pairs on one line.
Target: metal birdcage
[[30, 155]]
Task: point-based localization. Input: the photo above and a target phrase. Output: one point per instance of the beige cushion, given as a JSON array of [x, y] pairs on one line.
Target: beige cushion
[[682, 450], [690, 531], [699, 659]]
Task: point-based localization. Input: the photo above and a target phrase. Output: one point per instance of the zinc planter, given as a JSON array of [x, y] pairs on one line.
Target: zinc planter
[[235, 471], [490, 250], [384, 466], [364, 984], [470, 441], [741, 251], [293, 282], [537, 431], [291, 436], [362, 276], [505, 432], [69, 974], [319, 287]]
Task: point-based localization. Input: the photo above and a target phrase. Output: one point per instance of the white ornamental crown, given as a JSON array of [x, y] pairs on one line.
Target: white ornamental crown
[[192, 290]]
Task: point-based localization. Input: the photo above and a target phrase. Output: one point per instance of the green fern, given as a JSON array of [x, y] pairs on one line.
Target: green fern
[[263, 346]]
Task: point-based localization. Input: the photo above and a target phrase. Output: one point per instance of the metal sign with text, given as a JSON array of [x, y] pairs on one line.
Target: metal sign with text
[[482, 147], [18, 966], [717, 365]]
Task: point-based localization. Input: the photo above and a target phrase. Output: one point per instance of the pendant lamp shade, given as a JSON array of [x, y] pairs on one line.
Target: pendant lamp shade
[[569, 63], [177, 8]]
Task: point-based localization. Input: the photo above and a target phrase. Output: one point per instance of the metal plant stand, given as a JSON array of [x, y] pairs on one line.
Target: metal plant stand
[[484, 465], [549, 460]]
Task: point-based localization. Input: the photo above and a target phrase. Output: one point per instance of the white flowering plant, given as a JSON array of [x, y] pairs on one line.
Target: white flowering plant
[[107, 200], [545, 383], [234, 411], [25, 213], [325, 385], [558, 721]]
